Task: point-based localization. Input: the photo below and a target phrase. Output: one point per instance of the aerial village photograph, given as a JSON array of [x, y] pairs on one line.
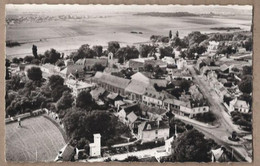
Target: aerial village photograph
[[128, 83]]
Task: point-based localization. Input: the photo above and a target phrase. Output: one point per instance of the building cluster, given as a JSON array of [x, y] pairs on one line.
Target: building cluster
[[224, 81]]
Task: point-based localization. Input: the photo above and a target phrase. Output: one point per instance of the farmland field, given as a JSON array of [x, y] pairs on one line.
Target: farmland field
[[99, 27], [38, 140]]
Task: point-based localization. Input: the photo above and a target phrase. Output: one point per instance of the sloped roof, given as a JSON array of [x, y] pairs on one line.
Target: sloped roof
[[71, 69], [134, 63], [113, 96], [136, 87], [153, 125], [140, 77], [95, 93], [67, 152], [154, 94], [78, 84], [159, 82], [92, 61], [240, 103], [113, 80], [132, 117], [153, 110], [131, 108]]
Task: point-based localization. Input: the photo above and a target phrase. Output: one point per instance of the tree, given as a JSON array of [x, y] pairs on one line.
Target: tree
[[65, 101], [16, 60], [191, 147], [80, 124], [58, 91], [98, 67], [60, 63], [248, 45], [15, 83], [245, 85], [34, 74], [158, 72], [84, 100], [85, 52], [247, 70], [166, 51], [148, 67], [185, 85], [147, 50], [126, 53], [177, 34], [54, 81], [98, 50], [196, 38], [34, 51], [170, 34], [28, 59], [36, 61], [52, 56], [113, 46], [7, 71]]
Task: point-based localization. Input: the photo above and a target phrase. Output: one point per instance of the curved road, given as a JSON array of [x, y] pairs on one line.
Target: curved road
[[221, 133]]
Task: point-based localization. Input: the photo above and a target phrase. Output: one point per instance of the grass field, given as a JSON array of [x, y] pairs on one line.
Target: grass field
[[38, 140]]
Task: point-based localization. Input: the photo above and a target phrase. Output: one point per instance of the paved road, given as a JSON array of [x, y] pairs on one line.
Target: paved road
[[225, 127]]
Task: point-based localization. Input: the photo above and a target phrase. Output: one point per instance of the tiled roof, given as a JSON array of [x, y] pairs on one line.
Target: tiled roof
[[154, 94], [132, 117], [113, 80], [92, 61], [137, 87], [71, 69], [153, 125], [95, 93]]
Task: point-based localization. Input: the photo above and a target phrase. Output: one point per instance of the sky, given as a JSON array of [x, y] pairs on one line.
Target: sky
[[107, 9]]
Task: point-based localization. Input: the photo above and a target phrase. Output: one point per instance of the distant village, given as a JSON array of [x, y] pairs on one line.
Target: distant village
[[157, 91]]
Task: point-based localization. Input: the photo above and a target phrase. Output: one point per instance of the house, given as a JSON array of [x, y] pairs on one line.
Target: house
[[182, 74], [213, 47], [113, 97], [195, 92], [219, 155], [170, 69], [66, 153], [68, 62], [50, 69], [98, 94], [111, 83], [136, 89], [129, 114], [78, 86], [139, 83], [136, 65], [185, 108], [153, 98], [169, 60], [75, 70], [88, 63], [239, 106], [152, 113], [155, 63], [190, 109], [95, 147], [150, 131], [181, 63]]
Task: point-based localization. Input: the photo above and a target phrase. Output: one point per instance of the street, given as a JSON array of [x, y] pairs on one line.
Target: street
[[221, 133]]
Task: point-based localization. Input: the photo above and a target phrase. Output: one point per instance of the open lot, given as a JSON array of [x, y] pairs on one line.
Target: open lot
[[37, 140]]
